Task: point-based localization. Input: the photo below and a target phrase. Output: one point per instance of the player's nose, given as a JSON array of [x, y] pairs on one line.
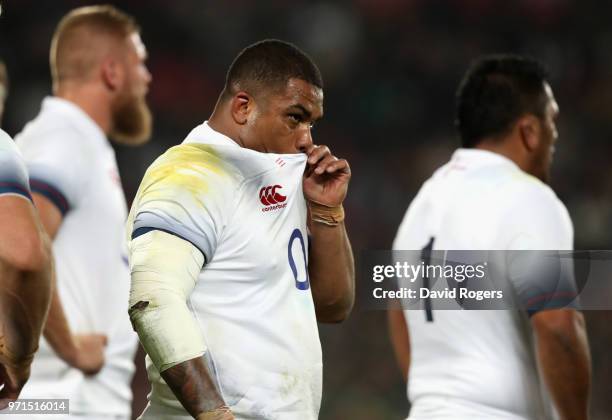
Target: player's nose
[[304, 140], [147, 76]]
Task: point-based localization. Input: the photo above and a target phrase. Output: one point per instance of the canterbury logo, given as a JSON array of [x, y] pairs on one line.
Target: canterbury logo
[[269, 196]]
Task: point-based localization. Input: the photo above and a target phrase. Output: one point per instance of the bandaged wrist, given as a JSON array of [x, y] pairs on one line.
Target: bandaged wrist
[[221, 413], [331, 216], [164, 271]]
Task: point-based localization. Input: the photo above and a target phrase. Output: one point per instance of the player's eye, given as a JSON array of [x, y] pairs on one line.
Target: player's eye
[[295, 118]]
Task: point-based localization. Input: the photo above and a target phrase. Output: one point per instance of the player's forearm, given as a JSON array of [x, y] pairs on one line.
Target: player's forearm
[[168, 333], [332, 272], [564, 358], [400, 339], [164, 270], [57, 331], [25, 280], [194, 388], [24, 299]]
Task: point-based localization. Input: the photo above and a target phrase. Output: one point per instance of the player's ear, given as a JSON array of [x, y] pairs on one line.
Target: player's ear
[[241, 106], [112, 73], [529, 130]]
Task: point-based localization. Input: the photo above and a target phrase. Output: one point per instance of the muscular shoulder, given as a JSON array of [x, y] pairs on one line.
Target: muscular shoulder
[[192, 166], [7, 146], [531, 194], [187, 191], [533, 217], [13, 174], [51, 136]]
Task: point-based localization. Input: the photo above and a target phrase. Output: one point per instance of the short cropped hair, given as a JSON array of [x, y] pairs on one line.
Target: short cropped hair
[[74, 47], [268, 65], [495, 92]]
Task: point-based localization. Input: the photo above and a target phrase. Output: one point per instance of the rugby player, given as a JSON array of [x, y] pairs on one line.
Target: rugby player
[[238, 247], [493, 195], [25, 273], [99, 83]]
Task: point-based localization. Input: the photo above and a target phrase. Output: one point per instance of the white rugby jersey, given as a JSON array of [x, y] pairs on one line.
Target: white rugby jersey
[[246, 212], [72, 163], [13, 173], [479, 364]]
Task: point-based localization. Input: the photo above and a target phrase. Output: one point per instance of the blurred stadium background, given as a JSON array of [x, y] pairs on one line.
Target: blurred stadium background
[[390, 68]]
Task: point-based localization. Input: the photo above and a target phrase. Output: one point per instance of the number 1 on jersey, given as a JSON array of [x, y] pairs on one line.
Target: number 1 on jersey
[[426, 257]]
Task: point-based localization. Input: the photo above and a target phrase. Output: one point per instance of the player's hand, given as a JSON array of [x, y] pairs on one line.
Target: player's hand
[[89, 357], [12, 380], [326, 177]]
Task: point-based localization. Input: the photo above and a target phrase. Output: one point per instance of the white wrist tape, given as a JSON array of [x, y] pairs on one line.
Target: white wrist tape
[[164, 270]]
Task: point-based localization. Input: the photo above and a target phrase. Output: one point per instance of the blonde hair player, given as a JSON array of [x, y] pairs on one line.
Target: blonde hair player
[[100, 81]]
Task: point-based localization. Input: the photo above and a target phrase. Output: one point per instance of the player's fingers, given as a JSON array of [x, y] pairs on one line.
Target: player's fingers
[[310, 148], [324, 164], [340, 165], [318, 153]]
